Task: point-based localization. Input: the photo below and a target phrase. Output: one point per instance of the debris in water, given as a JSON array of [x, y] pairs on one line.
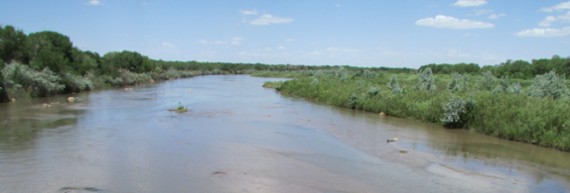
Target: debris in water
[[392, 140], [219, 173]]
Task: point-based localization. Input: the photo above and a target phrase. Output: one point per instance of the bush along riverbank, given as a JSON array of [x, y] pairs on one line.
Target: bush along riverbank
[[47, 63], [538, 113]]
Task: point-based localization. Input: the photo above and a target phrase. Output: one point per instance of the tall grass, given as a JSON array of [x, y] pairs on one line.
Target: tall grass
[[455, 101]]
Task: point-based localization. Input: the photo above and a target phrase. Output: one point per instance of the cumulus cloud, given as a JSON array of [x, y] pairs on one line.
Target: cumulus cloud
[[93, 2], [469, 3], [447, 22], [267, 19], [248, 12], [544, 32], [549, 20], [558, 7]]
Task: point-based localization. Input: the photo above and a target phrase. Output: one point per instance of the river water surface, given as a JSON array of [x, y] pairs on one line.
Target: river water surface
[[241, 137]]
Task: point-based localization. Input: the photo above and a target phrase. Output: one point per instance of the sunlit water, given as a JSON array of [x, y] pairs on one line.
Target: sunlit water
[[240, 137]]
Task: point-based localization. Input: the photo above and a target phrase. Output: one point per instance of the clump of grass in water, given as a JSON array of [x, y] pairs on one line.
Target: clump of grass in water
[[180, 109]]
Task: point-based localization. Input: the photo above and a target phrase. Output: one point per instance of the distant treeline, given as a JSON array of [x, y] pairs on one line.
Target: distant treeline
[[514, 69], [47, 63]]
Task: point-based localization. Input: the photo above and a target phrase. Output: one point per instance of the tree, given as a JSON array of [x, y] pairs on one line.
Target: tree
[[3, 93], [52, 50], [132, 61], [84, 62], [12, 44]]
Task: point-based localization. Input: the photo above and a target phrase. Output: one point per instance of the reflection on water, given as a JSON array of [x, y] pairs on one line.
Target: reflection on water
[[240, 137]]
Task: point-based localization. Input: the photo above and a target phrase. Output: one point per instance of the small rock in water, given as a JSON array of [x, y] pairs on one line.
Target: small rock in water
[[382, 114], [219, 173], [70, 99], [392, 140]]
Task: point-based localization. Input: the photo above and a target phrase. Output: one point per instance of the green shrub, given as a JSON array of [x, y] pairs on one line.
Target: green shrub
[[131, 78], [487, 81], [394, 86], [457, 112], [514, 88], [426, 81], [373, 92], [458, 83], [37, 83], [502, 86], [549, 85], [76, 83]]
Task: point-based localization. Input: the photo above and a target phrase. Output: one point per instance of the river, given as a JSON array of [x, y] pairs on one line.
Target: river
[[240, 137]]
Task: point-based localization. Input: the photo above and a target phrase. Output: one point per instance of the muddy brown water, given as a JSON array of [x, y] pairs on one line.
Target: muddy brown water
[[241, 137]]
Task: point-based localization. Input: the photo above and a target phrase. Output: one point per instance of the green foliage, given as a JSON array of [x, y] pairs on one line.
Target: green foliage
[[502, 86], [373, 92], [394, 86], [514, 88], [461, 68], [130, 78], [549, 85], [503, 114], [37, 83], [457, 112], [487, 81], [426, 81], [132, 61], [12, 44], [51, 50], [458, 83], [76, 83], [3, 93]]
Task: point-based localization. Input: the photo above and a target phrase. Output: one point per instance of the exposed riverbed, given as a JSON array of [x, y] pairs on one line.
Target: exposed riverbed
[[240, 137]]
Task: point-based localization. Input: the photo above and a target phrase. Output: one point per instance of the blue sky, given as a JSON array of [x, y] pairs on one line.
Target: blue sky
[[400, 33]]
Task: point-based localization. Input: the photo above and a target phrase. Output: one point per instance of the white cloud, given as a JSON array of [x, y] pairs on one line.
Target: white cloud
[[496, 15], [558, 7], [469, 3], [442, 21], [544, 32], [248, 12], [232, 41], [547, 22], [93, 2], [267, 19]]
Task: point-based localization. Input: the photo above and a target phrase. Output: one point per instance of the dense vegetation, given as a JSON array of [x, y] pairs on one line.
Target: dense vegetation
[[516, 100], [46, 63], [537, 113]]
